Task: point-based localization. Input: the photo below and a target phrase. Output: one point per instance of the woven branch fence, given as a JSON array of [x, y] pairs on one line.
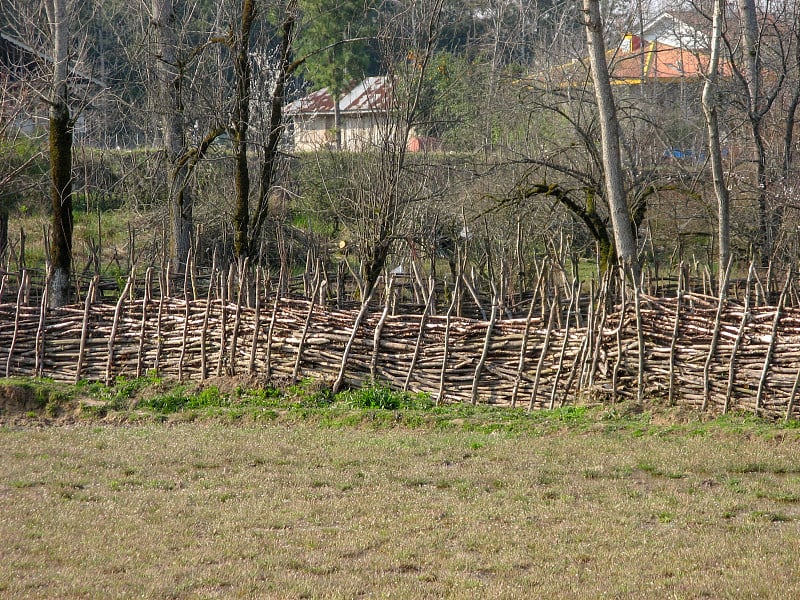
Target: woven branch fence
[[692, 350]]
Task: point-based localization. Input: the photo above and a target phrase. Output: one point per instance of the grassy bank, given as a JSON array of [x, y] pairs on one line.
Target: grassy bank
[[306, 496]]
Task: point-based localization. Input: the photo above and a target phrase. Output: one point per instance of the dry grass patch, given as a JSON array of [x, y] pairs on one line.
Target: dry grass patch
[[209, 511]]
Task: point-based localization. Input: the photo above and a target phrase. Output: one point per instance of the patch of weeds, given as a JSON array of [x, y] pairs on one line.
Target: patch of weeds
[[654, 471], [160, 484], [71, 491], [777, 496], [261, 397], [735, 485], [417, 482], [730, 513], [738, 422], [209, 397], [762, 467], [592, 474], [264, 414], [117, 395], [21, 485], [383, 397], [569, 414], [772, 517], [169, 402], [309, 393], [54, 403], [665, 517]]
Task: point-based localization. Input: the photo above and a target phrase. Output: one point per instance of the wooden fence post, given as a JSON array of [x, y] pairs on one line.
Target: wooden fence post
[[346, 352], [268, 357], [484, 354], [421, 332], [148, 278], [639, 338], [376, 338], [543, 353], [737, 342], [620, 328], [163, 285], [522, 350], [574, 298], [20, 296], [238, 318], [223, 334], [85, 327], [251, 367], [306, 327], [446, 344], [114, 325], [525, 334], [601, 300], [712, 348], [772, 342], [206, 316], [673, 346], [39, 367]]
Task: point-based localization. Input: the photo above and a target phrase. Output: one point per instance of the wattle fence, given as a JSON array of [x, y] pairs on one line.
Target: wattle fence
[[691, 350]]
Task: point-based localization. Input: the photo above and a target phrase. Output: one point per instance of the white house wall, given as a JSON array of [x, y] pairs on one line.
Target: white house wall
[[359, 132], [313, 133], [673, 32]]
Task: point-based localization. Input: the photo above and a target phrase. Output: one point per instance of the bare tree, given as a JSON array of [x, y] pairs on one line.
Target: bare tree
[[757, 106], [241, 122], [610, 138], [179, 190], [409, 39], [178, 70], [60, 129], [248, 224], [710, 99]]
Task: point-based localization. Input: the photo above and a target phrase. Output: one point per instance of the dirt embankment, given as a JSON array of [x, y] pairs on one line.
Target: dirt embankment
[[19, 399], [25, 403]]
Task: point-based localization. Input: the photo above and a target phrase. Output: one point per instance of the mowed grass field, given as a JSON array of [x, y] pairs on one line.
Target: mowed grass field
[[208, 509]]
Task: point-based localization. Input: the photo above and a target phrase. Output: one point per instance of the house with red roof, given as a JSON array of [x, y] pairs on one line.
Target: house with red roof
[[672, 48], [364, 113]]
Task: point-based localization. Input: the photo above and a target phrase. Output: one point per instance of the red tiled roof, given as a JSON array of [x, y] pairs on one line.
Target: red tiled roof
[[657, 62], [373, 94]]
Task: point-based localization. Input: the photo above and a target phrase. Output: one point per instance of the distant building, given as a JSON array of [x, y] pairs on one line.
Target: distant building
[[672, 48], [364, 113]]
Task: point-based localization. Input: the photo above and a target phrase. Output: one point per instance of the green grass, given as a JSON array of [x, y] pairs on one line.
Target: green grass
[[376, 405], [298, 510]]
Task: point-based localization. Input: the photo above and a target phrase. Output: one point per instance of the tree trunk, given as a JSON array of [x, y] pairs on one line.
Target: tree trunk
[[181, 209], [181, 201], [269, 166], [60, 139], [752, 72], [241, 218], [3, 232], [609, 135], [710, 102]]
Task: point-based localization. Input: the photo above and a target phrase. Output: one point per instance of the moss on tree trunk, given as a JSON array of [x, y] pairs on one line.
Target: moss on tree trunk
[[61, 202]]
